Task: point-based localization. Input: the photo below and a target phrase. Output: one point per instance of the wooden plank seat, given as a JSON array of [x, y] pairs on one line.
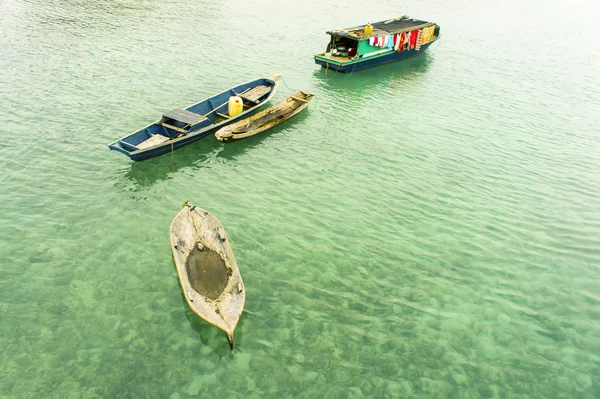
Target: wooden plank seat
[[248, 99], [128, 146], [253, 95], [223, 115], [299, 99], [184, 116], [177, 129], [187, 118]]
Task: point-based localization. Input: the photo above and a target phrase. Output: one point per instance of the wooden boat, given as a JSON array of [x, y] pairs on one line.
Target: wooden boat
[[181, 127], [207, 270], [270, 117], [365, 46]]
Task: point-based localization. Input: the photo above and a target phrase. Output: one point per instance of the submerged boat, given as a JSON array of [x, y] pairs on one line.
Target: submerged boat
[[207, 270], [181, 127], [369, 45], [266, 119]]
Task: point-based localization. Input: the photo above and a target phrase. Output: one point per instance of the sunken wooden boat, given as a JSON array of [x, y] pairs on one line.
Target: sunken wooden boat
[[207, 270], [181, 127], [270, 117]]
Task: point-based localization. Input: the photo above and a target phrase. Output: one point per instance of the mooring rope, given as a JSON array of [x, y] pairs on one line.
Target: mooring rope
[[168, 172], [283, 80]]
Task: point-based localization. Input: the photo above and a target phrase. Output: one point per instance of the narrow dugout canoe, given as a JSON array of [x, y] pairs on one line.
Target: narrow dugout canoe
[[209, 275], [270, 117]]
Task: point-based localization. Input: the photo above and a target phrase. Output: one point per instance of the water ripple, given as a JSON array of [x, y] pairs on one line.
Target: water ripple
[[424, 229]]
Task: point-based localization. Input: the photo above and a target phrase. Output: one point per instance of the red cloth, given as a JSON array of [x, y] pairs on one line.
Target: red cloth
[[413, 38], [402, 39]]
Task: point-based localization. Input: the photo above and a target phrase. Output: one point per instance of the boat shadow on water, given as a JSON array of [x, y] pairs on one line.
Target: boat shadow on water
[[139, 176], [364, 81], [210, 335]]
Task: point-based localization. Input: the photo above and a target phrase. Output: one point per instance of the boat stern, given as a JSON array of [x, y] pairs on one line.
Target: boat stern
[[120, 146], [329, 63], [275, 77], [230, 340]]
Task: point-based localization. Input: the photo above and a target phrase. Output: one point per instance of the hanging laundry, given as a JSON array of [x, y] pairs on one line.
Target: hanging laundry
[[419, 38], [396, 42], [401, 41], [407, 41], [390, 44], [383, 41], [413, 38], [428, 34], [372, 41]]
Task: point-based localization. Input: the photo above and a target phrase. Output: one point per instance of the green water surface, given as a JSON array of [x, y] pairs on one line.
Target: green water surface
[[428, 229]]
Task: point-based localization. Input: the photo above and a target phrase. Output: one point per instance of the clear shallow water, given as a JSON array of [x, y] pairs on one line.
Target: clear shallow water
[[426, 229]]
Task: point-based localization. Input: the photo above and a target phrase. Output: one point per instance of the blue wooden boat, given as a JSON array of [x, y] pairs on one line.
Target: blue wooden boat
[[365, 46], [181, 127]]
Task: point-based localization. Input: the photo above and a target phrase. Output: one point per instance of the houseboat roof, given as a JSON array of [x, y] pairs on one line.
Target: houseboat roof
[[382, 28]]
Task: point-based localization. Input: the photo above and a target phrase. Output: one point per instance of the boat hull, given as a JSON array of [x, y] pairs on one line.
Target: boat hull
[[207, 270], [163, 149], [369, 62]]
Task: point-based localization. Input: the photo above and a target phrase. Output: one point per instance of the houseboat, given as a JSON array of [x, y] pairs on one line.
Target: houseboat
[[379, 43]]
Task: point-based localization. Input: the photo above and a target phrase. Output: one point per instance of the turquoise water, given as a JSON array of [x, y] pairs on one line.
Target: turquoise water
[[429, 229]]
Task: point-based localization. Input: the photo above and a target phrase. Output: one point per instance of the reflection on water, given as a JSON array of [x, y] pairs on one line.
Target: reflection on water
[[383, 76], [205, 152], [233, 150], [348, 220], [211, 336], [145, 174]]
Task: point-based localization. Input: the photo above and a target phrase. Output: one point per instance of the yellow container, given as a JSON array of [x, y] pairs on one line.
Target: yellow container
[[368, 29], [236, 106]]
